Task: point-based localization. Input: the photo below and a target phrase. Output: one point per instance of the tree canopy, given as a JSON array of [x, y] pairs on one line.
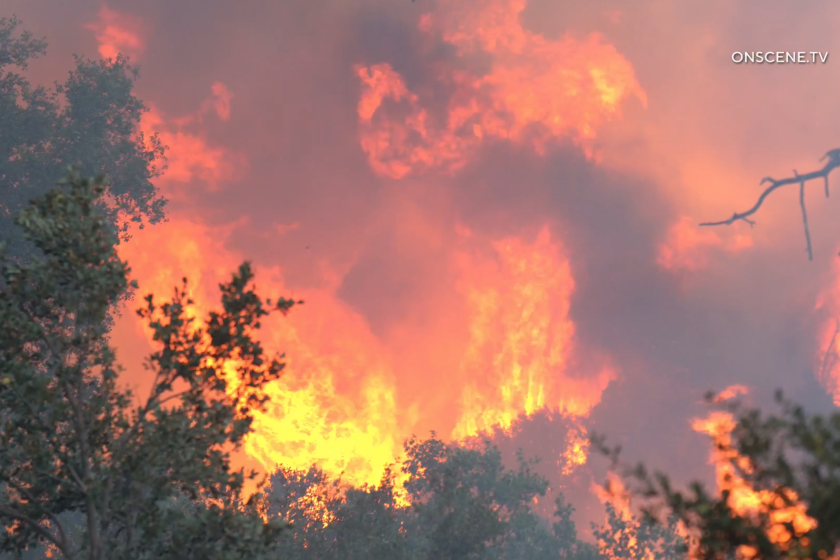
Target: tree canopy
[[150, 478], [91, 120]]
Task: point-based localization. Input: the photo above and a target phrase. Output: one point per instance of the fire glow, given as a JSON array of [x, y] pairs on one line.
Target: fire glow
[[743, 499], [536, 90], [517, 360], [339, 405]]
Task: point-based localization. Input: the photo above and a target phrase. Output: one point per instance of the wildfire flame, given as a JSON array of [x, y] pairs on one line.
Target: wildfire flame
[[520, 353], [576, 453], [535, 90], [118, 33], [731, 392], [688, 247], [743, 499], [338, 406], [313, 417], [616, 494], [189, 154]]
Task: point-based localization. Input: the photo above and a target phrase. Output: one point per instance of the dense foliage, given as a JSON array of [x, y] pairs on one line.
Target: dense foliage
[[462, 503], [91, 120], [151, 478]]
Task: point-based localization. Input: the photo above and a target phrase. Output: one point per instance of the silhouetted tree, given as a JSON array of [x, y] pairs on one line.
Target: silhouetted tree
[[148, 479], [639, 539], [464, 503], [91, 121]]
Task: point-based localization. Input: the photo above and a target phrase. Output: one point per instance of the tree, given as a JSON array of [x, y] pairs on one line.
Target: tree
[[462, 503], [788, 464], [90, 121], [149, 480], [832, 161], [625, 537]]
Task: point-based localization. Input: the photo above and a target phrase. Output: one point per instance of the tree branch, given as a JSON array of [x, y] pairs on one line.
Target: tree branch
[[804, 216], [37, 527], [62, 537], [833, 157], [82, 437]]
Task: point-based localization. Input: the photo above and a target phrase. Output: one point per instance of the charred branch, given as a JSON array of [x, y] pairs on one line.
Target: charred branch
[[833, 161]]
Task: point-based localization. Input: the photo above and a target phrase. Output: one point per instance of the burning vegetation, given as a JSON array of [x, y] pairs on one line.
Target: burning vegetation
[[323, 401]]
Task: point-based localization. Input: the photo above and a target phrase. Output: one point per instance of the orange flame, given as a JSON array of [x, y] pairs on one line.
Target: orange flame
[[189, 154], [521, 346], [616, 494], [519, 359], [576, 453], [118, 33], [535, 90], [335, 406], [731, 392], [688, 246], [338, 406], [743, 499]]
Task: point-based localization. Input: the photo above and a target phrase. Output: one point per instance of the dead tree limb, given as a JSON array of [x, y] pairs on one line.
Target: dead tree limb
[[833, 157], [804, 215]]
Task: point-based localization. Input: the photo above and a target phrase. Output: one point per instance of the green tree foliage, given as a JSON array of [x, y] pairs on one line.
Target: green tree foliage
[[91, 121], [790, 459], [639, 539], [147, 478], [464, 504]]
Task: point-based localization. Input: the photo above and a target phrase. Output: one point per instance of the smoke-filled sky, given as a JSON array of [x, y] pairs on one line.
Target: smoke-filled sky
[[489, 206]]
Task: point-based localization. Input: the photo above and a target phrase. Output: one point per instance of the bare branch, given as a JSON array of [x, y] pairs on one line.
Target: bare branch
[[804, 216], [833, 157]]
